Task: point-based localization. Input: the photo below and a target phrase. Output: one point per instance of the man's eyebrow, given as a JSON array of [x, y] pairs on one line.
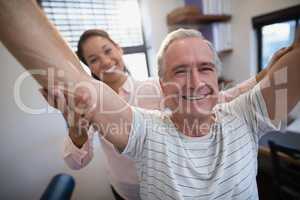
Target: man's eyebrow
[[180, 66], [206, 63], [212, 64]]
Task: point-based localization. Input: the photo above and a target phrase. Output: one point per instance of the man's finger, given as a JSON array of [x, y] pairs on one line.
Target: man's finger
[[82, 101], [49, 97], [68, 95], [70, 118], [281, 52], [44, 93], [61, 100], [278, 54], [79, 101]]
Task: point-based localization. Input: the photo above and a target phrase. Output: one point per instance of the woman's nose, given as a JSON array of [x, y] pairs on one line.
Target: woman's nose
[[105, 61]]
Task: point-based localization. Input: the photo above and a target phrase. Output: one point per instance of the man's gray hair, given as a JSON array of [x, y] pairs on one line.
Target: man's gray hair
[[181, 34]]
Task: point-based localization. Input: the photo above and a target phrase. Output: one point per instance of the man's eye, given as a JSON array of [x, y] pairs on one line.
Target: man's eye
[[207, 69], [180, 71]]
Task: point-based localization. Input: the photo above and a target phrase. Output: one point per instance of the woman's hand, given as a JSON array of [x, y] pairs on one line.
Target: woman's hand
[[78, 125]]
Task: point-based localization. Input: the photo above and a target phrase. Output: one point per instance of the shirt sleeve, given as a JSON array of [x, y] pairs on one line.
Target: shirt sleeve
[[252, 109], [232, 93], [77, 158], [141, 123]]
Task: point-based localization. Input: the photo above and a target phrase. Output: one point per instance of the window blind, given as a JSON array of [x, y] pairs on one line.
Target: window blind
[[120, 18]]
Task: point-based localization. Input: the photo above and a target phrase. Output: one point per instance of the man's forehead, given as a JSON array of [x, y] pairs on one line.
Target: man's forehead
[[193, 48], [189, 42]]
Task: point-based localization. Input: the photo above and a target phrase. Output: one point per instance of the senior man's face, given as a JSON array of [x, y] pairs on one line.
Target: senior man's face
[[190, 84]]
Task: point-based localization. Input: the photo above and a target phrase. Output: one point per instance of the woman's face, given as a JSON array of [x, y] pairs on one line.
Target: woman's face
[[104, 58]]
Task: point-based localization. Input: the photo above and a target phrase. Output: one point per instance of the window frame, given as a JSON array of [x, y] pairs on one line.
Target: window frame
[[258, 22], [131, 49]]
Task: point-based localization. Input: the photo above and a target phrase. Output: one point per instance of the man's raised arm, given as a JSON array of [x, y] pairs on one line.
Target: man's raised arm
[[33, 40], [234, 92], [37, 45], [280, 88]]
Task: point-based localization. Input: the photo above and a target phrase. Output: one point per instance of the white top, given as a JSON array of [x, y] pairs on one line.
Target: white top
[[220, 165], [121, 169]]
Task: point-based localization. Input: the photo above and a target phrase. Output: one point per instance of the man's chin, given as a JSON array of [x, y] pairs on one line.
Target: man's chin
[[198, 113], [195, 111]]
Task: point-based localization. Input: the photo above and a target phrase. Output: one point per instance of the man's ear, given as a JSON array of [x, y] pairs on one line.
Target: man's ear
[[161, 83]]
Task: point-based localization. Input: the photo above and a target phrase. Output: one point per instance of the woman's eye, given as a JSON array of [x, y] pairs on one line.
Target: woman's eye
[[108, 51], [93, 60]]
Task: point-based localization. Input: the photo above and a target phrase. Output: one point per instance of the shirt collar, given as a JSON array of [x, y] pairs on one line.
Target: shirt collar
[[128, 84]]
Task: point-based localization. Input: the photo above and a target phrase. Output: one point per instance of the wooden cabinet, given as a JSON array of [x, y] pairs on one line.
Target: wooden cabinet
[[198, 19], [215, 28]]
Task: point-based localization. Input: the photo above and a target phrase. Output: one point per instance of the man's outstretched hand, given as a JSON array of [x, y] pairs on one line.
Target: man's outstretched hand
[[278, 55]]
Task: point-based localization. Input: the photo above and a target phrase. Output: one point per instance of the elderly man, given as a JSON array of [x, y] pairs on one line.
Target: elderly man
[[202, 150], [198, 150]]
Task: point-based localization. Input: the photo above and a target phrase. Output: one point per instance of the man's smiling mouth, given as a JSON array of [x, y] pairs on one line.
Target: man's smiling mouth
[[194, 98], [203, 93]]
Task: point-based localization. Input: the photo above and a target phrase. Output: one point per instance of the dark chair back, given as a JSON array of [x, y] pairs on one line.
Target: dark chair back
[[286, 171], [60, 188]]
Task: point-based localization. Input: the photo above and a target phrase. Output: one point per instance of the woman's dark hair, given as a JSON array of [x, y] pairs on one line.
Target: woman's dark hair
[[85, 36]]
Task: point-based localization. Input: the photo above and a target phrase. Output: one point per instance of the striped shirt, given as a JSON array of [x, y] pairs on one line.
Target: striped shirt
[[219, 165]]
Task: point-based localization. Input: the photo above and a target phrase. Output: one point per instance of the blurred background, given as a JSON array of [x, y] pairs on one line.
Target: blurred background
[[246, 33]]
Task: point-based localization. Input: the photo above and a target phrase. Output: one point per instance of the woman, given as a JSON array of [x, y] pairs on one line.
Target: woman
[[104, 58]]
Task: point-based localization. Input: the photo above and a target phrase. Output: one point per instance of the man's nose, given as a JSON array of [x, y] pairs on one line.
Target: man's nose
[[195, 79]]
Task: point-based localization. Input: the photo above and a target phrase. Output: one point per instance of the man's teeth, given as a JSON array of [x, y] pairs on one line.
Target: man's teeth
[[194, 97]]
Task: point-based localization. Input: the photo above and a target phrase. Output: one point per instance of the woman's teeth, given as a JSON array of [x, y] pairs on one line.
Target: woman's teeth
[[111, 69]]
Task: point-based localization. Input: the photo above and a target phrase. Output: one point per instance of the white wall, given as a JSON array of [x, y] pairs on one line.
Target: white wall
[[242, 62], [31, 145], [155, 25]]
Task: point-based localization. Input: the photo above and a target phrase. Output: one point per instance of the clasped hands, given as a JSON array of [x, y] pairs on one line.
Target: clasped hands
[[75, 108]]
